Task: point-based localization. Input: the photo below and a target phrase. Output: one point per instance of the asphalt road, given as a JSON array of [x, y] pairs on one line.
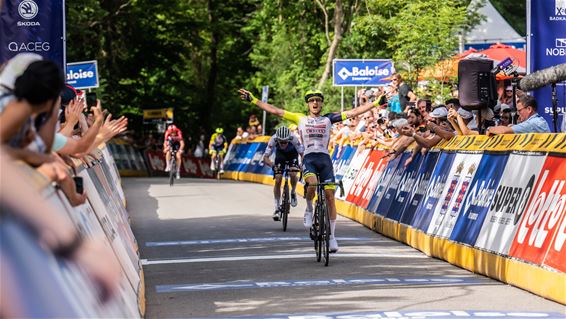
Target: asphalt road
[[211, 249]]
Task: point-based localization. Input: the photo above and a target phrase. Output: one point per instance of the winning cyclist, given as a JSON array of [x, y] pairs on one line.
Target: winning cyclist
[[314, 130], [173, 141], [287, 150], [217, 147]]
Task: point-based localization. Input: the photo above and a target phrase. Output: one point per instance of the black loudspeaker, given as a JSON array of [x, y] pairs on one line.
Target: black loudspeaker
[[477, 88]]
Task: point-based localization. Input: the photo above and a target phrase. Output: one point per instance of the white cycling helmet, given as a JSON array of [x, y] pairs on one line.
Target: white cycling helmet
[[283, 134]]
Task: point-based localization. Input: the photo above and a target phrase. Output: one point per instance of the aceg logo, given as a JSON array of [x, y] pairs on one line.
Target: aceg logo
[[560, 7], [28, 9]]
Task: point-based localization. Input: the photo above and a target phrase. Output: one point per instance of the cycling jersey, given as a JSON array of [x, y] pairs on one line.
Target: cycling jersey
[[315, 131], [218, 142], [294, 146], [179, 134]]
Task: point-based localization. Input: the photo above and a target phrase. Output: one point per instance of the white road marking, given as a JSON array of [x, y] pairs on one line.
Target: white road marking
[[146, 262], [245, 240]]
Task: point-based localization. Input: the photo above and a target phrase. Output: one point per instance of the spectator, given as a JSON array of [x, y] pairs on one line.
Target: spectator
[[461, 120], [199, 149], [239, 133], [507, 96], [393, 102], [505, 119], [254, 122], [406, 94], [529, 120]]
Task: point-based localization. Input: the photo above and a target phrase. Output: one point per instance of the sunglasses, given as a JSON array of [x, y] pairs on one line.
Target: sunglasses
[[315, 99]]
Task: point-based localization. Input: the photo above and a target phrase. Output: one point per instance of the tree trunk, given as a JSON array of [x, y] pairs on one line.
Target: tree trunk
[[210, 103], [338, 19]]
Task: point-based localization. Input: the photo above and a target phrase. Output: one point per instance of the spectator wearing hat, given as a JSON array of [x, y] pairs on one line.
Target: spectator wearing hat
[[507, 96], [438, 123], [529, 120], [461, 120]]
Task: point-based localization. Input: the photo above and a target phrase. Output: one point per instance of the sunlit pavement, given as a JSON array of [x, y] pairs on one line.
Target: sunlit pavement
[[211, 249]]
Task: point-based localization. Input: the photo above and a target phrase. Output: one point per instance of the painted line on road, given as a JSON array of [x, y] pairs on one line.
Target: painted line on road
[[146, 262], [243, 240], [413, 314], [246, 284]]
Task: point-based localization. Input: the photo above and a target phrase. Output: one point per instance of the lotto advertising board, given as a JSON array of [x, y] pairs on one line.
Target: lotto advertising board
[[542, 225], [361, 190], [405, 187], [509, 202], [478, 200], [421, 185], [461, 175], [353, 169], [433, 194]]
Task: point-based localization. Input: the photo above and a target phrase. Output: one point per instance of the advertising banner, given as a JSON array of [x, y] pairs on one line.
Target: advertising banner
[[479, 198], [353, 72], [509, 202], [543, 216], [421, 185], [357, 161], [405, 188], [190, 166], [382, 185], [391, 189], [369, 190], [370, 172], [461, 175], [546, 47], [343, 161], [83, 75], [256, 164], [427, 207], [28, 26]]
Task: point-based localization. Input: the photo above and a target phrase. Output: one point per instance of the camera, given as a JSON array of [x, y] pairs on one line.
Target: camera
[[91, 99], [79, 187]]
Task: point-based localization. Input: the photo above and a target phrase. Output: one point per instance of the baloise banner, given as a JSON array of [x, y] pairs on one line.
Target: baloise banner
[[28, 26]]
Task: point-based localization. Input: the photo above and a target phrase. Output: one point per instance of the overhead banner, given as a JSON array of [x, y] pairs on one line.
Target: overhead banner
[[546, 46], [509, 202], [358, 72], [28, 26]]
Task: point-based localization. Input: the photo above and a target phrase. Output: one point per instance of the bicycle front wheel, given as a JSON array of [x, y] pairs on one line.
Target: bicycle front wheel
[[325, 234], [317, 233], [172, 172], [285, 210]]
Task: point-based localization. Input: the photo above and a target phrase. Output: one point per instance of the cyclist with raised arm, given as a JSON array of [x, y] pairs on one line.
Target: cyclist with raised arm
[[314, 131], [173, 141], [287, 149], [217, 147]]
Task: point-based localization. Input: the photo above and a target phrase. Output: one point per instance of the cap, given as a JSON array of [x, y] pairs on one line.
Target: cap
[[465, 114], [68, 94], [439, 112], [16, 67], [504, 107], [509, 88]]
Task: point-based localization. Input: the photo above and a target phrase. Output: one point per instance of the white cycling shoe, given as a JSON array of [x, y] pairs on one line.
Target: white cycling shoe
[[293, 199], [307, 219], [333, 245], [178, 175], [167, 169]]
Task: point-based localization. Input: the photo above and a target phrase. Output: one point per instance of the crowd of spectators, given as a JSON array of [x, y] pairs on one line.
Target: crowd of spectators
[[402, 118], [46, 126]]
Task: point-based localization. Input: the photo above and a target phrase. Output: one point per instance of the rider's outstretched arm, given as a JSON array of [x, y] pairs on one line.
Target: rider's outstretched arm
[[362, 109], [248, 96]]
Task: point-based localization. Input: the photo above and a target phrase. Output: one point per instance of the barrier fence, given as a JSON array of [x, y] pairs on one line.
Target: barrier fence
[[495, 206], [50, 287]]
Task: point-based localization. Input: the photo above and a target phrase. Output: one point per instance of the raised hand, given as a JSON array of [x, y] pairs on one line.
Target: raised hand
[[247, 96]]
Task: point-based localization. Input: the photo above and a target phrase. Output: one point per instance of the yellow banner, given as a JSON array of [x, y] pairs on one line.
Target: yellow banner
[[166, 113]]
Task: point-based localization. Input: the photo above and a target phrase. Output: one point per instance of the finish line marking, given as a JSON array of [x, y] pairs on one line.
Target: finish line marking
[[414, 314], [246, 284], [146, 262], [242, 240]]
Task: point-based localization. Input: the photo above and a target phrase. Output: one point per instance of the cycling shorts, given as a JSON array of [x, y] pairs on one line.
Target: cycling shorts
[[217, 149], [285, 158], [319, 164], [174, 145]]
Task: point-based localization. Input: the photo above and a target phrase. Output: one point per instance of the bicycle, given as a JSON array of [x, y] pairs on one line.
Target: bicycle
[[285, 206], [216, 171], [320, 230], [173, 166]]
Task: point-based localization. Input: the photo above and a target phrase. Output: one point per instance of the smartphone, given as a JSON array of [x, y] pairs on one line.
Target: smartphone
[[79, 184], [91, 99]]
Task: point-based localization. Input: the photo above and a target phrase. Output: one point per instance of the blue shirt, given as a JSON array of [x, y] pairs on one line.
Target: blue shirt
[[534, 124]]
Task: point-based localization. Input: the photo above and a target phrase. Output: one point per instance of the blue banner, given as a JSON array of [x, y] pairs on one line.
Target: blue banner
[[344, 160], [382, 185], [28, 26], [421, 184], [546, 46], [391, 190], [361, 72], [426, 209], [405, 188], [476, 204], [82, 75]]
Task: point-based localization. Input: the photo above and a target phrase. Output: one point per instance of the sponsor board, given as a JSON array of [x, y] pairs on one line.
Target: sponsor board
[[354, 72], [434, 191], [343, 161], [421, 185], [358, 159], [478, 199], [509, 202], [543, 216], [83, 75], [461, 174], [393, 184], [405, 188], [369, 173], [382, 185]]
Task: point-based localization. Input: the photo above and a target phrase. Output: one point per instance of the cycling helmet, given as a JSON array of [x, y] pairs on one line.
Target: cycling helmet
[[313, 93], [219, 130], [283, 134]]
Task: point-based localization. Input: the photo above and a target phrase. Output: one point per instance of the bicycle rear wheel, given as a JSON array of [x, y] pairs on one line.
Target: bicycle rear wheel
[[286, 204], [172, 172]]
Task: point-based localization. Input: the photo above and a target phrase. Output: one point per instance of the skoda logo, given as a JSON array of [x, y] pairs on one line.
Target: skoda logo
[[28, 9]]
